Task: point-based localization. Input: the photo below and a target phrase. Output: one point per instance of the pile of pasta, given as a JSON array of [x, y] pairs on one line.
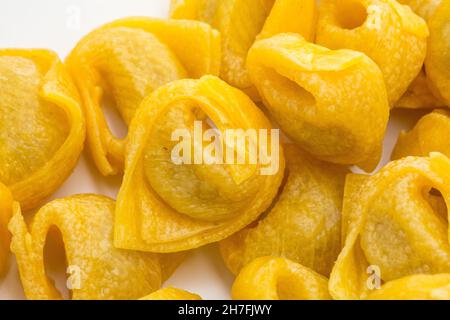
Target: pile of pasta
[[327, 74]]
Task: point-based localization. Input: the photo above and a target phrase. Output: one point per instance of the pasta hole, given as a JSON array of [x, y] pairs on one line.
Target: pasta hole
[[351, 14], [289, 93], [55, 261], [436, 201]]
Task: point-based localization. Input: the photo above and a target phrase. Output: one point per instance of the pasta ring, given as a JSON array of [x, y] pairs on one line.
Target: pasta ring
[[271, 278], [172, 294], [438, 55], [98, 270], [416, 287], [127, 60], [303, 225], [42, 125], [332, 103], [165, 207], [431, 134], [241, 22], [388, 32], [394, 222]]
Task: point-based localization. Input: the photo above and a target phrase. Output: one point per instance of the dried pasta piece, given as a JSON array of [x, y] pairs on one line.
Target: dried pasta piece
[[126, 60], [7, 206], [431, 134], [416, 287], [419, 95], [332, 103], [272, 278], [241, 21], [438, 55], [172, 294], [303, 225], [43, 129], [388, 32], [395, 224], [170, 206], [97, 269], [423, 8]]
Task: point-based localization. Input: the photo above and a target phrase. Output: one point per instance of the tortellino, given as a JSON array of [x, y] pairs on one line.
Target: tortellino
[[438, 55], [416, 287], [420, 92], [171, 294], [42, 127], [431, 133], [128, 59], [97, 269], [7, 205], [169, 206], [272, 278], [388, 32], [332, 103], [241, 22], [395, 224], [303, 225]]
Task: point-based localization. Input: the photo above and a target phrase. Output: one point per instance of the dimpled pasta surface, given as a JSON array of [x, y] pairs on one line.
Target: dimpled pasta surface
[[126, 60], [438, 56], [430, 134], [98, 269], [333, 104], [416, 287], [42, 128], [389, 33], [272, 278], [169, 207], [241, 22], [304, 222], [7, 206], [396, 220]]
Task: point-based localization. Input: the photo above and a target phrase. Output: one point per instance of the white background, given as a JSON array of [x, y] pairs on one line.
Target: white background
[[58, 25]]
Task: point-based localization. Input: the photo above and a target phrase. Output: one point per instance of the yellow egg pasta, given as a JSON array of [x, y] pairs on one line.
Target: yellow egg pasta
[[416, 287], [7, 205], [423, 8], [237, 124], [431, 134], [395, 224], [164, 206], [333, 104], [42, 127], [438, 55], [419, 95], [172, 294], [388, 32], [241, 22], [304, 222], [126, 60], [97, 269], [271, 278]]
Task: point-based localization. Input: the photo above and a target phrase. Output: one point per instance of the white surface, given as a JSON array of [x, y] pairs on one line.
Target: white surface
[[58, 25]]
